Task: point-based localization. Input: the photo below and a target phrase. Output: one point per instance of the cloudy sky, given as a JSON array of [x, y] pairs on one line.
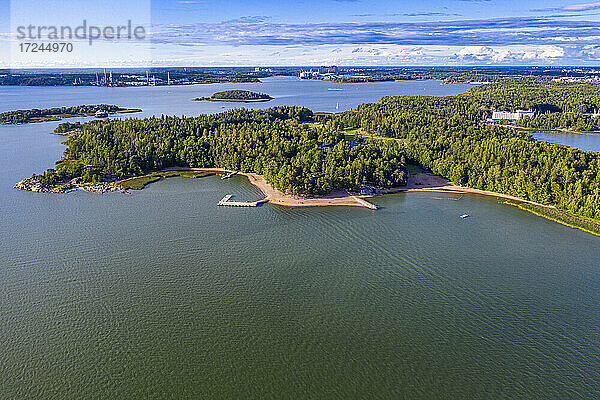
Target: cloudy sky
[[306, 32]]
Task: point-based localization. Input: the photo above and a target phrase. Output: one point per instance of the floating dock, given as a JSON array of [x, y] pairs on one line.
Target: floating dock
[[227, 202]]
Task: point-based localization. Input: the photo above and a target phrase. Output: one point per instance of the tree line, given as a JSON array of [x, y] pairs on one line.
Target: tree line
[[448, 136], [295, 157]]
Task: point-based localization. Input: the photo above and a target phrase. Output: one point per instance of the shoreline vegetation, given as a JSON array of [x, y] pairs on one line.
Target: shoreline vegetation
[[559, 216], [418, 183], [140, 182], [548, 130], [58, 113], [237, 96], [340, 159], [557, 130]]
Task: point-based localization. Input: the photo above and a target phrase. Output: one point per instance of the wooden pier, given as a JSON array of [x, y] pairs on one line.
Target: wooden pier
[[229, 175], [365, 203], [227, 202]]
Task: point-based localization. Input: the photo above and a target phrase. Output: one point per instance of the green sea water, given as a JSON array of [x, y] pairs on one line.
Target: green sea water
[[161, 294]]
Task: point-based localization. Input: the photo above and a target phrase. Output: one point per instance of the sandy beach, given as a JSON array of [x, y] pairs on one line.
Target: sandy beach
[[277, 197], [416, 183], [335, 198], [432, 183]]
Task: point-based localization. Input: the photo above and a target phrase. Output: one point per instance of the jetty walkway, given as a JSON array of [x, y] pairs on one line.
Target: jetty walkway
[[227, 202], [365, 203]]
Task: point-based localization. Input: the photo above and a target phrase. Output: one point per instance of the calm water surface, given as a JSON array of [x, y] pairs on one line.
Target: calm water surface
[[177, 100], [575, 140], [161, 294]]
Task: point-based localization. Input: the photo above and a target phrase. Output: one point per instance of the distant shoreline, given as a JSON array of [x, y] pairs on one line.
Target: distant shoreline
[[546, 130]]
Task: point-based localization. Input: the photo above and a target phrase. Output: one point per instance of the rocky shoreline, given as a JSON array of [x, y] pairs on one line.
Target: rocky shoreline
[[33, 185], [69, 133]]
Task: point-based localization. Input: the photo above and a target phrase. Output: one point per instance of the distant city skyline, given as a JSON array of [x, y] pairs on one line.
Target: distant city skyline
[[341, 32]]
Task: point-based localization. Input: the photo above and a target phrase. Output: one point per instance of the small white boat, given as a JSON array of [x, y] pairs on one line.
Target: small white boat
[[464, 216]]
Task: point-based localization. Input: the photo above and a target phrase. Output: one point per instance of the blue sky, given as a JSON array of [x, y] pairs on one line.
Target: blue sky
[[306, 32]]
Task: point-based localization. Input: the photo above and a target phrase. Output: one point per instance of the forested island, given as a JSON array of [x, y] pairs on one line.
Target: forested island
[[236, 96], [55, 114], [368, 146]]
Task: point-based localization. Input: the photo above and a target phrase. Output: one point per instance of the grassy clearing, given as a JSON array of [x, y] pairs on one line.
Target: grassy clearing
[[562, 217], [355, 131], [414, 169], [140, 182]]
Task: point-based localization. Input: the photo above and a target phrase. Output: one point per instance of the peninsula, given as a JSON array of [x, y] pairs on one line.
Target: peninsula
[[238, 96], [364, 152], [58, 113]]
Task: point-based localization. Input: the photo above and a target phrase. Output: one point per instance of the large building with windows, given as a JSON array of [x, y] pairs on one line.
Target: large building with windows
[[511, 116]]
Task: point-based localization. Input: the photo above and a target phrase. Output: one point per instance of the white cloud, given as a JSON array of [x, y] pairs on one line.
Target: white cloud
[[391, 55], [581, 7], [509, 53]]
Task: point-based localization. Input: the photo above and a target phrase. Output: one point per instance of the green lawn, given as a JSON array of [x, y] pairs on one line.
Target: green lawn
[[140, 182]]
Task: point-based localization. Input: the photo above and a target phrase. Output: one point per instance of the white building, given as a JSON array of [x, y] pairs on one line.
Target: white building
[[511, 116], [309, 74]]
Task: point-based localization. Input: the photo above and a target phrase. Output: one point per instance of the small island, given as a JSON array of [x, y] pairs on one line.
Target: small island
[[243, 96], [58, 113]]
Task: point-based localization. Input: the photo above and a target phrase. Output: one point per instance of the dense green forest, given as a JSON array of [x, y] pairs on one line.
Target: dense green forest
[[236, 95], [541, 97], [295, 157], [52, 114], [448, 136], [558, 105], [572, 121]]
